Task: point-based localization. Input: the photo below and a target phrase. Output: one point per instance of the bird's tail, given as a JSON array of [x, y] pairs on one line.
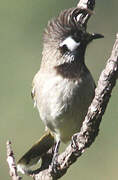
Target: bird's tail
[[33, 155]]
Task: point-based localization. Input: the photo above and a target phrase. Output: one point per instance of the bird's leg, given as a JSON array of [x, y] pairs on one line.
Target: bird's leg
[[54, 164]]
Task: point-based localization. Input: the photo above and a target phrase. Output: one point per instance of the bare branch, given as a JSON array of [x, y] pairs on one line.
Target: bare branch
[[87, 5], [90, 127], [11, 162]]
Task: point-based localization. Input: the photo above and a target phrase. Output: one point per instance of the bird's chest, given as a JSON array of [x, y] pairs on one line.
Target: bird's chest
[[61, 101]]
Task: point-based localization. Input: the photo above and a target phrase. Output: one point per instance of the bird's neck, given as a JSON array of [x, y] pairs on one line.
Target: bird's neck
[[71, 70], [69, 66]]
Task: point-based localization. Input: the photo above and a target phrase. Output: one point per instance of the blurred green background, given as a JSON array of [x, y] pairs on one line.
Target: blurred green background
[[21, 27]]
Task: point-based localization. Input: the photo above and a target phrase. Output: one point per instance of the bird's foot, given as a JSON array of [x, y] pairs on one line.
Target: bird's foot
[[78, 143], [54, 164], [74, 143]]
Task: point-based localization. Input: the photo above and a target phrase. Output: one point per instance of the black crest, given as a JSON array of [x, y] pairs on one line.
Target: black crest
[[64, 25]]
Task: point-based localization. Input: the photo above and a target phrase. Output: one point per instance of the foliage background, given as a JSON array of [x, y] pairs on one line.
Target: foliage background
[[21, 27]]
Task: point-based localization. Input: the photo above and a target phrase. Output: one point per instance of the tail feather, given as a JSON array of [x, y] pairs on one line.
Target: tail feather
[[33, 155]]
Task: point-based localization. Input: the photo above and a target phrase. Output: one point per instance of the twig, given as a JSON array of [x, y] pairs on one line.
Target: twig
[[90, 127], [88, 5], [11, 162], [91, 124]]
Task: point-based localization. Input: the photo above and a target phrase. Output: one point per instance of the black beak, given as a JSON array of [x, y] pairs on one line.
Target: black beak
[[96, 36]]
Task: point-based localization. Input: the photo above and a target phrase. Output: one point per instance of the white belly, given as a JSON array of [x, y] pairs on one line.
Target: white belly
[[63, 103]]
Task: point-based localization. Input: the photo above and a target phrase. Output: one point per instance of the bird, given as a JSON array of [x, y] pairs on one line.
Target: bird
[[63, 88]]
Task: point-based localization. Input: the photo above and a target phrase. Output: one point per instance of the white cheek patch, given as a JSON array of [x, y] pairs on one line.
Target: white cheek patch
[[70, 43]]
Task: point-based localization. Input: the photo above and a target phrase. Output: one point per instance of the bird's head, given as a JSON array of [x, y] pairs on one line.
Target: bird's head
[[65, 39]]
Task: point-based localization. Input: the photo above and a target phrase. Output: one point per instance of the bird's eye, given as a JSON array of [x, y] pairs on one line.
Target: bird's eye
[[63, 49], [69, 44]]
